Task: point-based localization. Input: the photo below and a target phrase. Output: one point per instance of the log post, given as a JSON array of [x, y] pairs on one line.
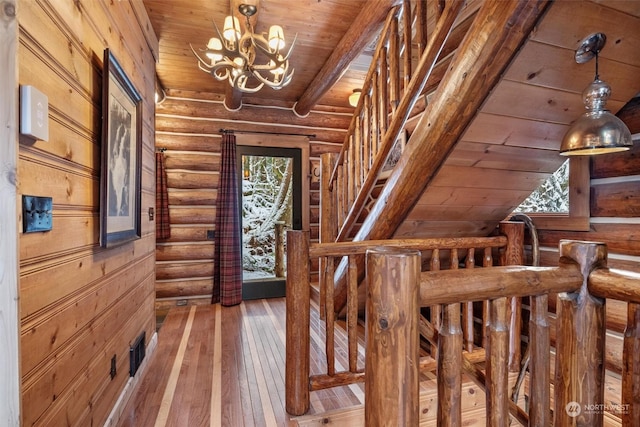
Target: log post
[[630, 410], [580, 338], [328, 217], [392, 338], [298, 304], [513, 254]]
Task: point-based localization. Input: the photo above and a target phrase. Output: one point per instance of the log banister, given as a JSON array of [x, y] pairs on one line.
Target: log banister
[[581, 282]]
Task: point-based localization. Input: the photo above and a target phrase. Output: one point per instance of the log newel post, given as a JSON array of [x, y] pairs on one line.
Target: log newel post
[[298, 305], [580, 332], [513, 254], [392, 338]]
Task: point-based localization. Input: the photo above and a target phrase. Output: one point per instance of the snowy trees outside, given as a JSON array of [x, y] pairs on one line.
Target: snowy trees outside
[[552, 196], [266, 200]]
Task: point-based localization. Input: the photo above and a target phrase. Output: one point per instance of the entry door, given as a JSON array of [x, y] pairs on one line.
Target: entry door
[[270, 204]]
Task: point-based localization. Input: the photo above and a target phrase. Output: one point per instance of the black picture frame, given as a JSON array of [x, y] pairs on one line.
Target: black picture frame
[[120, 156]]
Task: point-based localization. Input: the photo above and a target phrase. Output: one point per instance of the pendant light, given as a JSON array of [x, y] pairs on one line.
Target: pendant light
[[597, 131]]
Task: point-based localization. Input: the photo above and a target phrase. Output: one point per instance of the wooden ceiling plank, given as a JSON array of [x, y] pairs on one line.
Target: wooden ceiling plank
[[352, 43]]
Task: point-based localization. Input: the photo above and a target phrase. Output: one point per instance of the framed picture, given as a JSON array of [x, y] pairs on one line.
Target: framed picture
[[121, 152]]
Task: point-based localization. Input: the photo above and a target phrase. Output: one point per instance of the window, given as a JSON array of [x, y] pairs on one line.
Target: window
[[576, 217]]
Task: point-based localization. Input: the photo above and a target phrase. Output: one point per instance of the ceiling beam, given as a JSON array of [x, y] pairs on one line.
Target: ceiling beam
[[359, 34]]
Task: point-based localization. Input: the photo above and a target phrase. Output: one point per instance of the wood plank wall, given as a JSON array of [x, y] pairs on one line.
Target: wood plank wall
[[80, 304], [614, 204], [187, 127]]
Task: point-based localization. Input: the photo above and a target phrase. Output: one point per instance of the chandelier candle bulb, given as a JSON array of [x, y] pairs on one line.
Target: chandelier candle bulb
[[276, 37], [233, 54], [231, 31]]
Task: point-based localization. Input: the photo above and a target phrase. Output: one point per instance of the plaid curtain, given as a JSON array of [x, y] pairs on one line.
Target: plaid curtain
[[163, 225], [227, 261]]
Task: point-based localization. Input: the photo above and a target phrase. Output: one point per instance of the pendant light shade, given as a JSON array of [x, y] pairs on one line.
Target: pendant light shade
[[597, 131]]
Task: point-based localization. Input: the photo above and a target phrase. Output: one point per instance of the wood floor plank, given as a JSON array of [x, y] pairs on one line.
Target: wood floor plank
[[216, 384], [167, 397]]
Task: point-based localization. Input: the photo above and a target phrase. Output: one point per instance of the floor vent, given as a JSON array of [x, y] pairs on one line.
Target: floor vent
[[136, 354]]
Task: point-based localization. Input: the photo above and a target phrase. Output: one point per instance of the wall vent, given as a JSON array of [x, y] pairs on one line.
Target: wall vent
[[136, 354]]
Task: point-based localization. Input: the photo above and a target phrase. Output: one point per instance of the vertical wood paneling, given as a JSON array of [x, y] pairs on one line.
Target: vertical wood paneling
[[9, 315], [81, 305]]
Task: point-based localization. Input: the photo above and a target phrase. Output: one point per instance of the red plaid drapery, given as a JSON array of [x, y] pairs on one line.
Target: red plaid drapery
[[163, 224], [227, 262]]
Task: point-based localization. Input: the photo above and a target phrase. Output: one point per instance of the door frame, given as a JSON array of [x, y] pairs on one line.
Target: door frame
[[274, 141]]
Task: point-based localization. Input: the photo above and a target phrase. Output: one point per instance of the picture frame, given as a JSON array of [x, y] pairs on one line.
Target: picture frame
[[120, 177]]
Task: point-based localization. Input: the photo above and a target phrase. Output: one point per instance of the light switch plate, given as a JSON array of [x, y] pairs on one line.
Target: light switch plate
[[34, 113], [36, 214]]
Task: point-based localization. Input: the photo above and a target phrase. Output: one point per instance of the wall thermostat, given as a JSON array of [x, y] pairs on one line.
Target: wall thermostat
[[34, 113]]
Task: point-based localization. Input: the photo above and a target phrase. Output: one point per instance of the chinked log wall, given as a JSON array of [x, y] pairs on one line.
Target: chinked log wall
[[187, 126], [80, 305]]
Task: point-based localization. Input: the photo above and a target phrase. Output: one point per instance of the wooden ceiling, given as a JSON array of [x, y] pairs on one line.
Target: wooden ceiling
[[319, 25]]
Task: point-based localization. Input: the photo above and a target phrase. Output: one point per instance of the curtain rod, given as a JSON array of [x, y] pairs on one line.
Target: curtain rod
[[267, 133]]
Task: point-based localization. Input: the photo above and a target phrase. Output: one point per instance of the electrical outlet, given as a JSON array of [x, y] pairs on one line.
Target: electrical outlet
[[113, 370]]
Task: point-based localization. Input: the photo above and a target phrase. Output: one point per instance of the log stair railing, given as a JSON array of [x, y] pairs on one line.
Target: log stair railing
[[397, 289], [448, 253], [392, 87]]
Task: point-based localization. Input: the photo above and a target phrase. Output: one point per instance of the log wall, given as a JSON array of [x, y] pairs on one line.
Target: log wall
[[81, 305], [614, 204], [188, 128]]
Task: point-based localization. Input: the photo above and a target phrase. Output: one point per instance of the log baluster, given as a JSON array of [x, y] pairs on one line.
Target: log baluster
[[487, 261], [394, 66], [330, 317], [467, 313], [630, 409], [352, 314], [298, 306], [421, 26], [392, 340], [513, 254], [580, 332], [406, 40], [497, 393], [436, 310], [383, 94], [328, 218], [450, 367], [539, 369]]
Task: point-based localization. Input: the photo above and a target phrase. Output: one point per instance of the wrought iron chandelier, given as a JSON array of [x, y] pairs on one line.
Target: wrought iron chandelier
[[232, 56]]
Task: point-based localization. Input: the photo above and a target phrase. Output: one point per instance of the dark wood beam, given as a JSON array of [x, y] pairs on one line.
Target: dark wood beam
[[360, 33]]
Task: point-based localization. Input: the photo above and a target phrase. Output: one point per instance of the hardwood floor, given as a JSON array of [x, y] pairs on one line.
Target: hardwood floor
[[224, 366]]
